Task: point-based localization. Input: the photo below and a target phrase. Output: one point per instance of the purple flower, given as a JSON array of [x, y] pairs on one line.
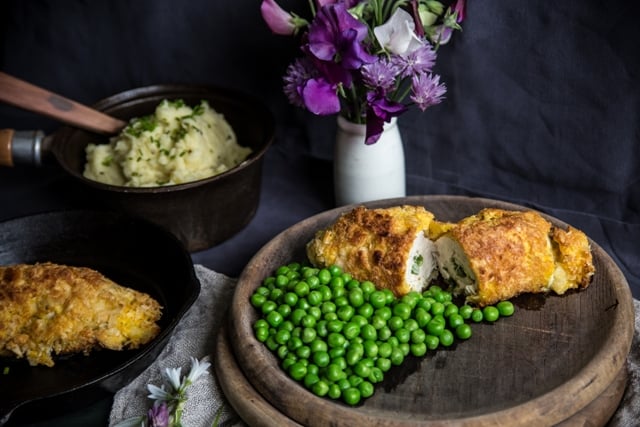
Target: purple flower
[[336, 36], [296, 76], [380, 74], [321, 97], [158, 415], [427, 90], [380, 110], [420, 60], [277, 19]]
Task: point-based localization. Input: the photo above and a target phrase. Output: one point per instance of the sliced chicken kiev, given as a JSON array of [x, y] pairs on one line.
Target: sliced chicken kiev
[[498, 254], [49, 309], [390, 247]]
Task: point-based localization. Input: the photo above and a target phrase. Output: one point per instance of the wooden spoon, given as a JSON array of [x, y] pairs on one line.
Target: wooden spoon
[[33, 98]]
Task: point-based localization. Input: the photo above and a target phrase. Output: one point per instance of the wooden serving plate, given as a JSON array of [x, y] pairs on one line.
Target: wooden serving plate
[[553, 358]]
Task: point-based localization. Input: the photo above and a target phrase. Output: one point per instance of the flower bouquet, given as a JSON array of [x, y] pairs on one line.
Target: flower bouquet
[[367, 60]]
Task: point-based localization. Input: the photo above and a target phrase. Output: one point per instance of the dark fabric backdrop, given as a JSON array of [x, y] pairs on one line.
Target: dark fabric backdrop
[[542, 106]]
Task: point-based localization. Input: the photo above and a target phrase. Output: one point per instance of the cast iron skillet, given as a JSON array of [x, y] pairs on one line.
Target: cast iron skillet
[[130, 251]]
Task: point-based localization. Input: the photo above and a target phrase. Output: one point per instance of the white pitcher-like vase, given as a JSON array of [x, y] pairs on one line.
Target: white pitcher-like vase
[[367, 172]]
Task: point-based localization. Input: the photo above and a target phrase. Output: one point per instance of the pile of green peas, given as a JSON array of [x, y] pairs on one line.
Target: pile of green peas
[[338, 336]]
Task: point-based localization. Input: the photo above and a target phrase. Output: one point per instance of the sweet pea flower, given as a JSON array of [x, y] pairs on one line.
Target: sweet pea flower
[[380, 110], [321, 97], [280, 21], [452, 19], [158, 415], [336, 36], [398, 35]]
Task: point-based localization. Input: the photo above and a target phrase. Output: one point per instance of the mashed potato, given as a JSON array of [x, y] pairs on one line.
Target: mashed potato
[[176, 144]]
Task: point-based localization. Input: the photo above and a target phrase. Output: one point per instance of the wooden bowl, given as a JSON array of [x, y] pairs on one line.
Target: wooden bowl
[[553, 358]]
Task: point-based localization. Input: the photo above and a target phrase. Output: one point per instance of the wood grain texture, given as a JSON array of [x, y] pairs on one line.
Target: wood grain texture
[[549, 361], [32, 98], [6, 138]]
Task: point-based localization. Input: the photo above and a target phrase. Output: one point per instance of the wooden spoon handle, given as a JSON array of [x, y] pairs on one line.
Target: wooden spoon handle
[[33, 98]]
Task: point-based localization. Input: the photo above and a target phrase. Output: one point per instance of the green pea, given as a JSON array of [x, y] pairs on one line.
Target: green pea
[[314, 298], [351, 396], [361, 369], [310, 379], [257, 300], [282, 280], [321, 388], [360, 320], [437, 308], [455, 320], [405, 347], [505, 308], [308, 321], [410, 325], [321, 328], [418, 336], [424, 304], [325, 291], [262, 334], [262, 290], [294, 343], [378, 322], [384, 349], [368, 332], [303, 352], [344, 384], [395, 323], [315, 312], [268, 306], [353, 356], [377, 299], [334, 391], [490, 313], [432, 342], [450, 309], [477, 315], [463, 331], [261, 323], [465, 311], [376, 375], [365, 310], [335, 270], [383, 363], [297, 315], [284, 309], [324, 276], [390, 296], [402, 310], [446, 338], [282, 351], [385, 313], [290, 298], [328, 307], [303, 304], [318, 345], [336, 282], [321, 358], [297, 371], [356, 297], [403, 335], [371, 349], [351, 330], [335, 325], [418, 349], [341, 301], [368, 288], [282, 336], [274, 318], [334, 372], [366, 389], [435, 327], [397, 356], [336, 340], [338, 292], [301, 289], [384, 333], [422, 316]]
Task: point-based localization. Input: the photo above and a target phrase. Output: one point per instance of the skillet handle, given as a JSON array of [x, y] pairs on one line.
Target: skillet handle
[[21, 147]]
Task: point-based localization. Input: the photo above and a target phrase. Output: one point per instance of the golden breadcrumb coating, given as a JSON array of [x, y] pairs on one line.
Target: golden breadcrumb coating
[[49, 309], [512, 252], [372, 244]]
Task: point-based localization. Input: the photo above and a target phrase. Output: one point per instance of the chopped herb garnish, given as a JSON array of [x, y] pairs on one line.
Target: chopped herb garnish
[[418, 260], [5, 371], [107, 161]]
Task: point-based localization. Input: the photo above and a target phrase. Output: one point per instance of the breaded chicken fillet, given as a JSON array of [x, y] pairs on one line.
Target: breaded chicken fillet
[[49, 309], [498, 254], [390, 247]]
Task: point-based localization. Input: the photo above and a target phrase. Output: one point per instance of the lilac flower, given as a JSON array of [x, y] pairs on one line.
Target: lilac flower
[[335, 35], [420, 60], [427, 90], [277, 19], [296, 76], [380, 110], [398, 35], [380, 74], [158, 415]]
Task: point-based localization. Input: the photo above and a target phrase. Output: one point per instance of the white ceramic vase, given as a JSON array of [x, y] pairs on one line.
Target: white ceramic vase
[[363, 172]]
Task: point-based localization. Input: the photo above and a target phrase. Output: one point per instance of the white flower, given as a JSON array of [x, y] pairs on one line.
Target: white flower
[[158, 393], [173, 375], [197, 369], [397, 35]]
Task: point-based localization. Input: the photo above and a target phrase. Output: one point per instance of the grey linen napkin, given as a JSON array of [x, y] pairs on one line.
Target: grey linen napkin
[[195, 337]]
